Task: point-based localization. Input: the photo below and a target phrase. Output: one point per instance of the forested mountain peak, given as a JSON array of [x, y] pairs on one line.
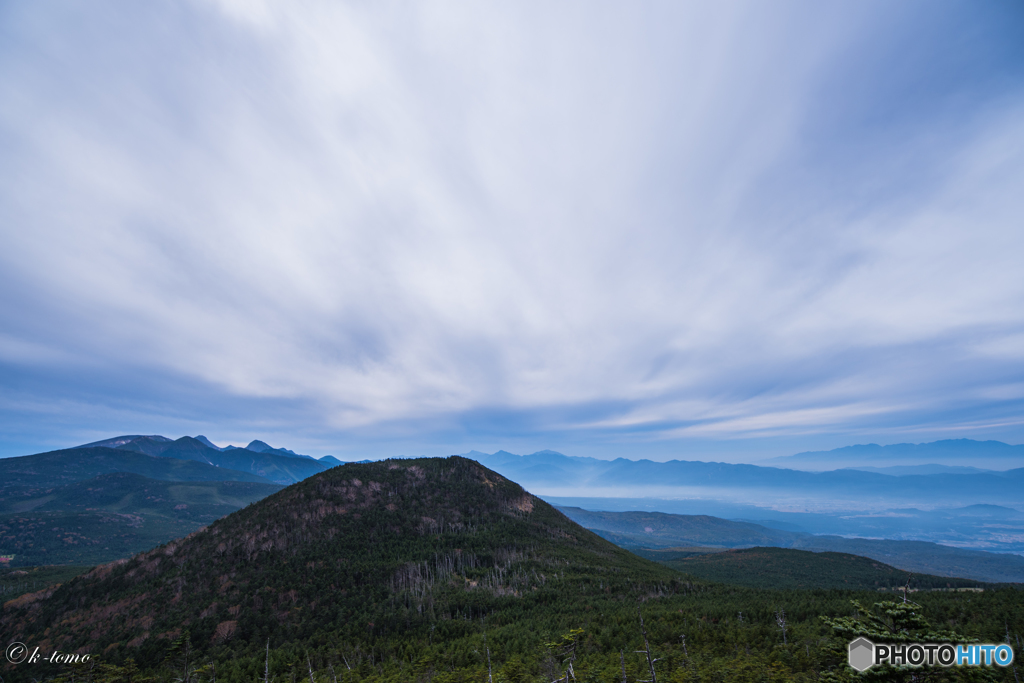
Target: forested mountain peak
[[369, 549]]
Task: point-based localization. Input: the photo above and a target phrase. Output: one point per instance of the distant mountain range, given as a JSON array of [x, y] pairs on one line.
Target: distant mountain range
[[994, 455], [903, 470], [956, 505], [979, 508], [441, 569], [552, 473]]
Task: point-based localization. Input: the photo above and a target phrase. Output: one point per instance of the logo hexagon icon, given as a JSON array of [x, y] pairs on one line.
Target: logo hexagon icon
[[862, 654]]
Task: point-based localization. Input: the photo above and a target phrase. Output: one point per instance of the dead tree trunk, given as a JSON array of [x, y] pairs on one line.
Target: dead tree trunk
[[647, 650], [266, 665], [780, 619]]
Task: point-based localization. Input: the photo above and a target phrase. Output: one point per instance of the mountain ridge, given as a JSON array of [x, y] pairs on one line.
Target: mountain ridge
[[549, 473], [432, 569], [392, 544], [77, 464], [278, 465], [789, 568], [943, 452], [112, 515]]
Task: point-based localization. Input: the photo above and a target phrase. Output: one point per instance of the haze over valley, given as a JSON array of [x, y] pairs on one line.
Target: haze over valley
[[156, 489]]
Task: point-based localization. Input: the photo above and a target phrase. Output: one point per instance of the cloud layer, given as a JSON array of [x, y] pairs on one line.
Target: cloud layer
[[369, 227]]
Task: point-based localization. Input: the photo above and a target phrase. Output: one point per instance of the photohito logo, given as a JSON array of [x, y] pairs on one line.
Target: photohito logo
[[864, 654]]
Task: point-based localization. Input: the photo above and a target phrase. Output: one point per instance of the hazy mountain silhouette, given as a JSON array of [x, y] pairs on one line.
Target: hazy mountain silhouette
[[548, 471], [957, 452]]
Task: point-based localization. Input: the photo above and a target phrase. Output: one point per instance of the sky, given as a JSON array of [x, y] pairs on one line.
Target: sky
[[720, 231]]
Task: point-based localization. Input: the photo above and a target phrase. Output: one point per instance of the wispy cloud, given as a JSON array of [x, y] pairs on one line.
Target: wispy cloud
[[355, 226]]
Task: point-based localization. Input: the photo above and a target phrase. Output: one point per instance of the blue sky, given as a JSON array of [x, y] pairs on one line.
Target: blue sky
[[708, 231]]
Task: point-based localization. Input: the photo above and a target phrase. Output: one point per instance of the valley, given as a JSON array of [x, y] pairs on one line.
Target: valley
[[656, 530], [437, 569]]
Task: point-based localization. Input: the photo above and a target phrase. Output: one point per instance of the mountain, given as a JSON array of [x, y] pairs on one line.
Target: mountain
[[646, 530], [440, 570], [94, 504], [798, 569], [112, 516], [331, 461], [277, 465], [989, 511], [283, 469], [543, 467], [16, 581], [262, 447], [845, 485], [150, 445], [255, 446], [350, 555], [657, 529], [122, 440], [926, 558], [994, 455], [847, 502], [554, 474], [903, 470], [203, 501], [57, 468], [209, 444], [992, 528]]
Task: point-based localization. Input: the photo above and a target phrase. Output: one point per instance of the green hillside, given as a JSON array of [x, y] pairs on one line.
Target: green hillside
[[786, 568], [660, 529], [926, 558], [655, 530], [356, 551], [113, 516], [203, 501], [16, 581], [57, 468]]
